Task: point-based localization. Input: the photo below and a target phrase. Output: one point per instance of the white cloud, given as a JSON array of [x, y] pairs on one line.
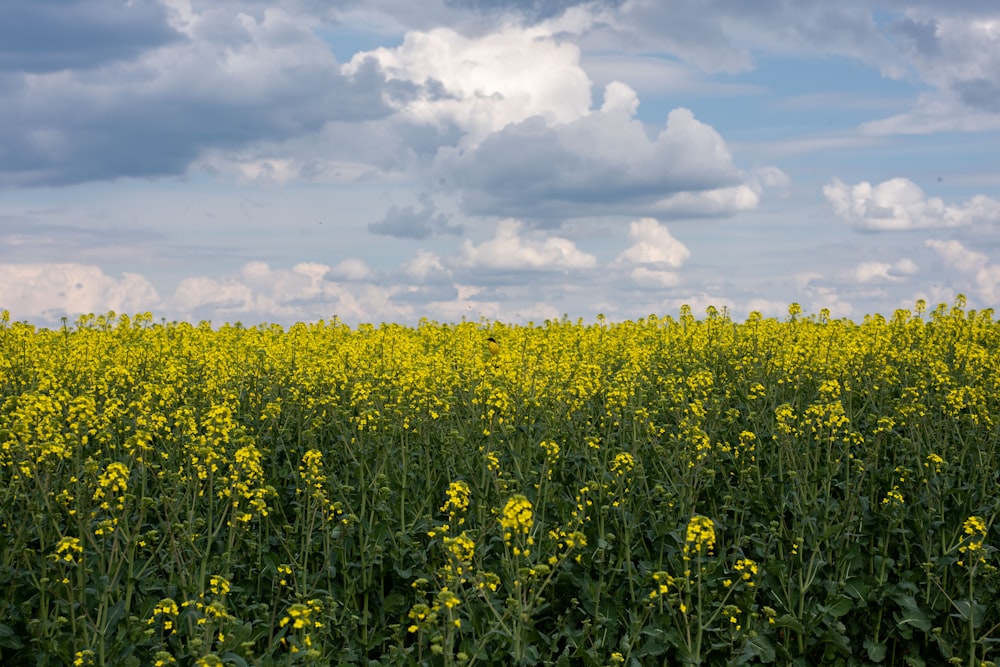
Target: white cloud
[[425, 265], [531, 143], [956, 256], [49, 291], [899, 204], [983, 276], [652, 243], [353, 270], [646, 277], [482, 84], [510, 250], [717, 202], [883, 271], [302, 293], [604, 163], [236, 79], [958, 55]]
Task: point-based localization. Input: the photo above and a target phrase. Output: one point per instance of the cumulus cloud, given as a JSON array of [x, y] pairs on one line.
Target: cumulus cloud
[[424, 266], [304, 292], [532, 144], [352, 270], [235, 80], [957, 53], [49, 291], [510, 250], [482, 84], [956, 256], [603, 163], [867, 272], [653, 244], [646, 277], [982, 276], [409, 222], [899, 204], [39, 37]]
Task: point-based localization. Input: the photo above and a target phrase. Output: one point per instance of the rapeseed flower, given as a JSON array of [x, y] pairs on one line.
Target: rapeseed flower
[[699, 537]]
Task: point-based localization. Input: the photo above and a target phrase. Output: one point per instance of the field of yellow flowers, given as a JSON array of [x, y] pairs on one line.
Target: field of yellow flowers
[[668, 491]]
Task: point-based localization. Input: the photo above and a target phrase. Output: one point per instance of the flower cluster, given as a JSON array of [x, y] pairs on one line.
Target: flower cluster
[[111, 487], [459, 497], [312, 472], [166, 612], [699, 537], [516, 520], [622, 464], [972, 548], [68, 551]]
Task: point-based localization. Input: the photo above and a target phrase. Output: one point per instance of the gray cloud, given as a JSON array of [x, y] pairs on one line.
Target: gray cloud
[[921, 35], [979, 93], [530, 9], [58, 35], [266, 80], [600, 164], [408, 222]]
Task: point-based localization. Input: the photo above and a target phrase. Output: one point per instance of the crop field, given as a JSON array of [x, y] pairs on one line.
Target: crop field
[[667, 491]]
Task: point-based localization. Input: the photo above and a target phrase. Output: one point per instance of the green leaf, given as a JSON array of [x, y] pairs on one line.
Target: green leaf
[[974, 610], [758, 647], [835, 637], [876, 652], [8, 638], [857, 588], [231, 658], [840, 606], [655, 644], [910, 615], [790, 622]]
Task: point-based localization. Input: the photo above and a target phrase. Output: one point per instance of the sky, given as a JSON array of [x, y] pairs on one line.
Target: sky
[[516, 160]]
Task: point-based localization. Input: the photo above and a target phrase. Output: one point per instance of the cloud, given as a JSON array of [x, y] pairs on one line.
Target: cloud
[[603, 163], [899, 204], [531, 10], [645, 277], [425, 266], [957, 257], [983, 277], [305, 292], [653, 244], [874, 271], [509, 250], [482, 84], [39, 37], [235, 81], [410, 223], [351, 270], [531, 144], [957, 53], [49, 291]]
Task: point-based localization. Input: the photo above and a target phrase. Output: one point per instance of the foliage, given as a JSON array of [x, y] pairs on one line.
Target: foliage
[[669, 491]]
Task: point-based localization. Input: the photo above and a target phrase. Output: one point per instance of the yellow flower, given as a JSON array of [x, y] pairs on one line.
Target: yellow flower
[[700, 536], [218, 585], [893, 497], [67, 551], [623, 464], [551, 449], [459, 496], [975, 528], [516, 517]]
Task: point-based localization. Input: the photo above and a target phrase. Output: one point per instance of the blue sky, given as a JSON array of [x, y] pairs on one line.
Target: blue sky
[[377, 160]]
